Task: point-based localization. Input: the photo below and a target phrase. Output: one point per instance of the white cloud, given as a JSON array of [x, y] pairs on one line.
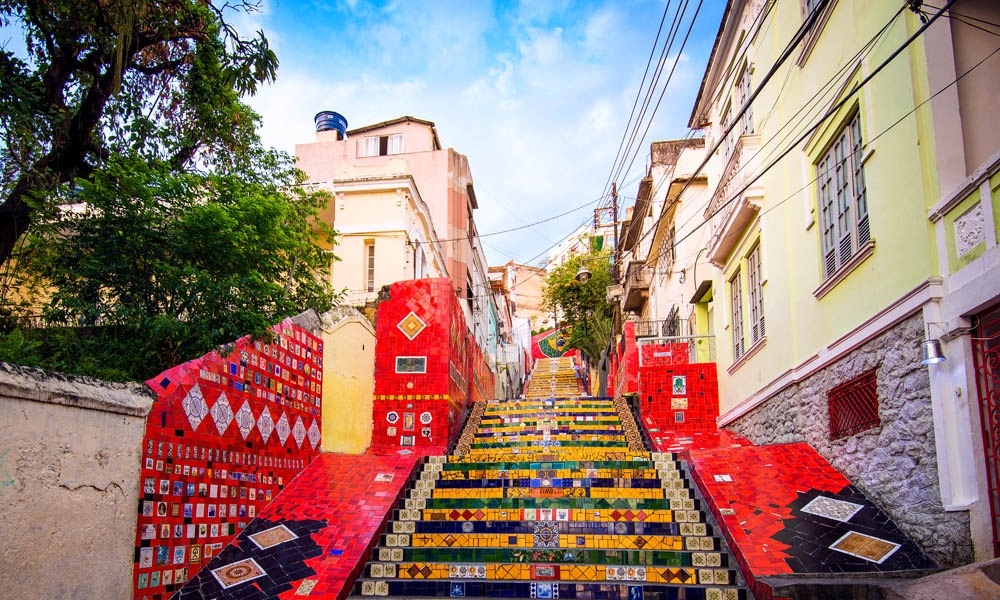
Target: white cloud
[[535, 100]]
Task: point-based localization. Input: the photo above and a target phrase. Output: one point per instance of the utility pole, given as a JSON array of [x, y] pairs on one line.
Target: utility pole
[[614, 216]]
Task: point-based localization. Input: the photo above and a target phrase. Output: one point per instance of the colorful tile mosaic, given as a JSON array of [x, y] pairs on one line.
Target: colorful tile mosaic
[[785, 510], [550, 497], [208, 470], [314, 538]]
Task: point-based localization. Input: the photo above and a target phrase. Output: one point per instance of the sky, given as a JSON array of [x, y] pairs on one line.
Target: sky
[[536, 94]]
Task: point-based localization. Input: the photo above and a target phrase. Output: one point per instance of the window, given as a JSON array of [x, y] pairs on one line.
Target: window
[[756, 296], [843, 204], [727, 139], [370, 266], [810, 5], [381, 145], [667, 256], [736, 306], [853, 406], [742, 94]]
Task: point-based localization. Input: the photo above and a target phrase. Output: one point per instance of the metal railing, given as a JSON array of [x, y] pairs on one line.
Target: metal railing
[[681, 349], [662, 328]]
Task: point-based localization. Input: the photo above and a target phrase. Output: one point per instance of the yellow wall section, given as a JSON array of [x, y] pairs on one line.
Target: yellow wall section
[[956, 262], [348, 386], [905, 249]]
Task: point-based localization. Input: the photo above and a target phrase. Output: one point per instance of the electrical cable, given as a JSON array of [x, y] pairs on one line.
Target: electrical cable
[[802, 113], [832, 110]]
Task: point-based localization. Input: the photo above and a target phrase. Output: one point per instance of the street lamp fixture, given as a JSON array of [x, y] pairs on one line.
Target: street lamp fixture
[[583, 275]]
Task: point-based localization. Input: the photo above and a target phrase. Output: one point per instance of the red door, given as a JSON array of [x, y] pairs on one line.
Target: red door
[[986, 356]]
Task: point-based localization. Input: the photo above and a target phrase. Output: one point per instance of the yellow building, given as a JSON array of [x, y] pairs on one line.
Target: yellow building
[[853, 216]]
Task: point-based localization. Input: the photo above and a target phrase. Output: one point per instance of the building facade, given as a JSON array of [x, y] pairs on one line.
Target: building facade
[[854, 217], [403, 208]]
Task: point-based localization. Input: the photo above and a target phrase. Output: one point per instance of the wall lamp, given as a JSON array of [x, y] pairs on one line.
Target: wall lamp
[[930, 349]]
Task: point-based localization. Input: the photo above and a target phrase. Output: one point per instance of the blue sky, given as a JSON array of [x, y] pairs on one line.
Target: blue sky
[[537, 94]]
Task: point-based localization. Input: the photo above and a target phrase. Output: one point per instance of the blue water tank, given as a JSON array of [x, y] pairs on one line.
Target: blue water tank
[[328, 120]]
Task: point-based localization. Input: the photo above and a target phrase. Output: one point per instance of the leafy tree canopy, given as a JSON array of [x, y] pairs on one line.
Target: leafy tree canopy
[[582, 305], [155, 79], [160, 266]]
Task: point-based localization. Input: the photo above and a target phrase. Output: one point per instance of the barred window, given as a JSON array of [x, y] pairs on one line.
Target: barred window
[[853, 406]]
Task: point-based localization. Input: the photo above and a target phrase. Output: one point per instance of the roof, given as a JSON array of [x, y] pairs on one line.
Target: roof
[[403, 119]]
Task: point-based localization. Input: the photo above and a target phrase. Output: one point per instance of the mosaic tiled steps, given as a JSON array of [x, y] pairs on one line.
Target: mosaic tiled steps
[[553, 378], [551, 499]]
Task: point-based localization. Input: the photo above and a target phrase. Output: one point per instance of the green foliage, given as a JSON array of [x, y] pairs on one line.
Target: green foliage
[[158, 79], [582, 305], [152, 267]]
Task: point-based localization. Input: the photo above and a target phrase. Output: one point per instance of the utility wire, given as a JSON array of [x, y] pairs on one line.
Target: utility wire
[[635, 103], [668, 45], [748, 102], [802, 113], [831, 111]]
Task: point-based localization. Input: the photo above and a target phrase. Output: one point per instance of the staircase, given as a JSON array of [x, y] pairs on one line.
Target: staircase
[[553, 378], [551, 498]]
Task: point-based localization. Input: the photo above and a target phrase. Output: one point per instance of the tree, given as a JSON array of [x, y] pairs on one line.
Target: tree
[[160, 266], [156, 79], [582, 304]]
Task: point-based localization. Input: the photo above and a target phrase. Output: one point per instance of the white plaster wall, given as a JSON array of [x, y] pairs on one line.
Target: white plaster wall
[[69, 484]]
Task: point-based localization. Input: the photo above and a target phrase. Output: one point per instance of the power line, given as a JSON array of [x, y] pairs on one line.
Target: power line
[[674, 30], [831, 111], [747, 103], [803, 111], [635, 103]]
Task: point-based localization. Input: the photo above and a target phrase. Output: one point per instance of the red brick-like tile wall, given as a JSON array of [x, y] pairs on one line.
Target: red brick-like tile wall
[[225, 435], [422, 411], [678, 397]]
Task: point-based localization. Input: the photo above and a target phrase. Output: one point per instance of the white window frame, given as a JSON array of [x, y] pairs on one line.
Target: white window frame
[[743, 92], [736, 315], [396, 143], [755, 289], [842, 199], [369, 262], [370, 147]]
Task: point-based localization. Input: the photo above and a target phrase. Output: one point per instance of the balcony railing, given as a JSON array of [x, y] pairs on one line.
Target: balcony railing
[[729, 214], [359, 297], [662, 328], [676, 350]]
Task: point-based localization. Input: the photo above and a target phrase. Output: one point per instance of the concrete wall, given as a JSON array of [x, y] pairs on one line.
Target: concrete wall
[[895, 463], [69, 484], [349, 381]]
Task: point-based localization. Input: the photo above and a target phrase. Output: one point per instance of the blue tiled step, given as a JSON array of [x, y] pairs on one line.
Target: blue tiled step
[[564, 464], [574, 503], [659, 558]]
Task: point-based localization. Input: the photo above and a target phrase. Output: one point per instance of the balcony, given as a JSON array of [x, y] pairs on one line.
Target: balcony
[[637, 279], [662, 328], [735, 202]]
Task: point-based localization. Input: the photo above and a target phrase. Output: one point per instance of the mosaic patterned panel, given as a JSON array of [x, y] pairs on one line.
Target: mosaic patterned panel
[[202, 483]]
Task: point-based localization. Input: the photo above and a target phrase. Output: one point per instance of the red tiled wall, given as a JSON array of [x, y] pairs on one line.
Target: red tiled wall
[[420, 410], [208, 470], [630, 360], [692, 405]]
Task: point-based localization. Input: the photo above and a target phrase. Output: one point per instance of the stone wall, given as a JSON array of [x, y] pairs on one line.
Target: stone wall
[[895, 464], [69, 484]]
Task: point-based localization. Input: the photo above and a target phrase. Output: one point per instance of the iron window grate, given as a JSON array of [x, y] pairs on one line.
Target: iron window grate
[[853, 406]]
